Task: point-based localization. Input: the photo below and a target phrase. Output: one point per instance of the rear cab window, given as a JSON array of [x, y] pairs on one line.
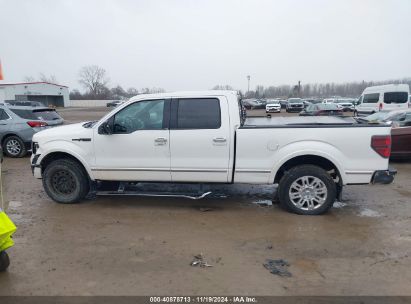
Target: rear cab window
[[395, 97], [198, 113], [3, 115]]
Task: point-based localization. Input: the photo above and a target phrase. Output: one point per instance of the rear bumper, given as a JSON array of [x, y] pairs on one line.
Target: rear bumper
[[384, 176]]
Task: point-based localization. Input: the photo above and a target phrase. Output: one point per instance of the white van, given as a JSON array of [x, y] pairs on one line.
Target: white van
[[384, 97]]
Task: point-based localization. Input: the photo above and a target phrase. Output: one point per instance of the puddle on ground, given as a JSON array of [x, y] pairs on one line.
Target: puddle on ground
[[369, 213], [338, 204], [263, 203]]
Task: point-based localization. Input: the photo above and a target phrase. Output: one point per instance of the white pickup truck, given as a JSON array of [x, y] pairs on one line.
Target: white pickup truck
[[205, 137]]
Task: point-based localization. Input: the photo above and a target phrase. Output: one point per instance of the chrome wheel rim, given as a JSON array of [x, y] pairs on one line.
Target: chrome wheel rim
[[308, 193], [13, 147]]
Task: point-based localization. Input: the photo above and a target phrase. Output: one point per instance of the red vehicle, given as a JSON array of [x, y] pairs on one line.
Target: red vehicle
[[400, 133]]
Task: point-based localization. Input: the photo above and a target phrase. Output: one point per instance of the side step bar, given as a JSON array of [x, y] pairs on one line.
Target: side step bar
[[121, 191]]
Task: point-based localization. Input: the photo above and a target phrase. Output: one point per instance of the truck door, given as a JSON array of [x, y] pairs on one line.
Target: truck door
[[199, 140], [139, 148]]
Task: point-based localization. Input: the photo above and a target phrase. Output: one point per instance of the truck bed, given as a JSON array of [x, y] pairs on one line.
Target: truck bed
[[305, 122]]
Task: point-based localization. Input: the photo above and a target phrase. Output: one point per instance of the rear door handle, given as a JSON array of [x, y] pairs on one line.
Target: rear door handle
[[219, 140], [161, 141]]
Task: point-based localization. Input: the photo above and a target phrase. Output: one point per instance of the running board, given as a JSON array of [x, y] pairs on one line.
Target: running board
[[154, 194]]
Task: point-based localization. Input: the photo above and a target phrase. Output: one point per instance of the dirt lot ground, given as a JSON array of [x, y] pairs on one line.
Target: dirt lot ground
[[144, 246]]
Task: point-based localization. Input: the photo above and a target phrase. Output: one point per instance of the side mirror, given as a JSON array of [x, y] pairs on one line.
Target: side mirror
[[105, 128]]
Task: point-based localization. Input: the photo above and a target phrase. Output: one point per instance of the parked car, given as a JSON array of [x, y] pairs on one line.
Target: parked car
[[273, 106], [204, 138], [253, 104], [283, 103], [18, 124], [401, 130], [306, 103], [294, 105], [114, 103], [322, 109], [385, 97], [25, 103], [345, 104]]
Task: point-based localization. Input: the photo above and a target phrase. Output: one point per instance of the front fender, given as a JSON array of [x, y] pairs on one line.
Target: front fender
[[82, 151], [316, 148]]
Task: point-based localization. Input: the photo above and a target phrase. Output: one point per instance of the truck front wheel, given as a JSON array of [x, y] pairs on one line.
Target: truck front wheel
[[307, 190], [4, 261], [65, 181]]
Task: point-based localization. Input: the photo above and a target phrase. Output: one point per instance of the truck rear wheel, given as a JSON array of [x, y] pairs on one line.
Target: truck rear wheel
[[65, 181], [307, 190]]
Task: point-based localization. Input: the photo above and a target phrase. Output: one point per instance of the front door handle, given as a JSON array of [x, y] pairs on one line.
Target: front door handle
[[219, 140], [161, 141]]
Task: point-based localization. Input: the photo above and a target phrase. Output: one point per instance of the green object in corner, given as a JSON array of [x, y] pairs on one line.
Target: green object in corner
[[7, 228]]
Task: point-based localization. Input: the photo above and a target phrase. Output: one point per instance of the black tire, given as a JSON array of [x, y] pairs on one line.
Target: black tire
[[313, 174], [4, 261], [14, 147], [65, 181]]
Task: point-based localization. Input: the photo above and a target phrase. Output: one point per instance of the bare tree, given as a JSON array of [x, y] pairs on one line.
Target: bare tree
[[50, 78], [93, 78], [42, 77], [28, 79]]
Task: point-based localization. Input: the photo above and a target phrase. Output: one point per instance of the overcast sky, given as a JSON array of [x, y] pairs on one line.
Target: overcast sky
[[194, 45]]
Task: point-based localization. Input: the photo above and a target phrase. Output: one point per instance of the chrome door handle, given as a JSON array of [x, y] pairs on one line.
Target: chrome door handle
[[219, 140], [160, 141]]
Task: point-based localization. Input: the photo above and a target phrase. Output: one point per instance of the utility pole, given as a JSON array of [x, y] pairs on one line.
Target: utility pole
[[248, 78]]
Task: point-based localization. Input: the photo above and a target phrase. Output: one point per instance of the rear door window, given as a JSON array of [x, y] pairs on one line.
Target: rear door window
[[199, 113], [371, 98], [395, 97]]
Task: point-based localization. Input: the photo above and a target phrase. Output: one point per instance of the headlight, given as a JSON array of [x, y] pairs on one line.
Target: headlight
[[34, 147]]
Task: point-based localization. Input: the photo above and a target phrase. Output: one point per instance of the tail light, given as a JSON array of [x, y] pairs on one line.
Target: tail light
[[380, 106], [37, 124], [382, 145]]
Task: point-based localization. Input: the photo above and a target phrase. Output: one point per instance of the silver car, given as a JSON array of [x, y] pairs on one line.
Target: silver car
[[19, 123]]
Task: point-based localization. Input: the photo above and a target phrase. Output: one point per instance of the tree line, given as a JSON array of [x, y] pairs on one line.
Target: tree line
[[95, 81], [322, 90]]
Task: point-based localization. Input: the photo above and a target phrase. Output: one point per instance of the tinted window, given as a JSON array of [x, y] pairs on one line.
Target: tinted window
[[46, 115], [199, 113], [395, 97], [371, 98], [26, 114], [144, 115], [3, 115]]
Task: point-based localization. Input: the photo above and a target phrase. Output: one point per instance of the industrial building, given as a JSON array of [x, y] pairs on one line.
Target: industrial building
[[50, 94]]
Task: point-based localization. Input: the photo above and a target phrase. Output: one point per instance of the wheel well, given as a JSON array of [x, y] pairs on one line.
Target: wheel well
[[7, 136], [59, 155], [309, 160]]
